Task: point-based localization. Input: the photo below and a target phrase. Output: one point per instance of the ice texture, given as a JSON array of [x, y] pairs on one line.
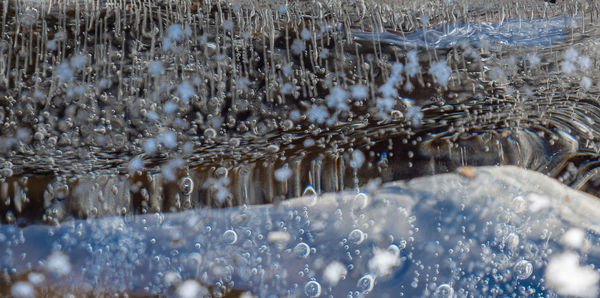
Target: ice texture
[[456, 234]]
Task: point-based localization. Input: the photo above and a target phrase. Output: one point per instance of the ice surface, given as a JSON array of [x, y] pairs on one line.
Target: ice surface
[[446, 234]]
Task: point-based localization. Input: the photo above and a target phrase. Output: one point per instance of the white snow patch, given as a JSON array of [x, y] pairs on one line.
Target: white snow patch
[[317, 114], [334, 272], [440, 72], [412, 67], [58, 263], [359, 91], [337, 99], [149, 146], [586, 83], [136, 164], [568, 278], [537, 202], [573, 238], [156, 68], [185, 90], [283, 173], [358, 158], [22, 289], [584, 62], [383, 262], [190, 289], [298, 46]]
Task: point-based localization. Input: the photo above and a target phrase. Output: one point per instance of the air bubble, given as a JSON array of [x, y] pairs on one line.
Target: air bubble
[[523, 269], [366, 283], [444, 291], [312, 289], [356, 236], [186, 186], [230, 237], [302, 250]]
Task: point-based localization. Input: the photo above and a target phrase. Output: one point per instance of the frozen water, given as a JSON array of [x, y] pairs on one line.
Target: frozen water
[[447, 235]]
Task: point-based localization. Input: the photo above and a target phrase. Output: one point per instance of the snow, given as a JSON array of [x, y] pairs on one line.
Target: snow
[[440, 72], [170, 167], [358, 158], [298, 46], [334, 272], [170, 107], [359, 91], [22, 289], [567, 277], [533, 59], [337, 99], [567, 67], [150, 146], [412, 67], [283, 173], [383, 262], [573, 238], [185, 90], [305, 34], [156, 68], [136, 164], [317, 114], [586, 83], [287, 89], [58, 263], [168, 138], [190, 289], [414, 114], [537, 202], [64, 72], [79, 61], [571, 55], [584, 62]]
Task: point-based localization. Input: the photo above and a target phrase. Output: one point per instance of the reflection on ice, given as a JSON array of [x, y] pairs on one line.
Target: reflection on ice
[[442, 235]]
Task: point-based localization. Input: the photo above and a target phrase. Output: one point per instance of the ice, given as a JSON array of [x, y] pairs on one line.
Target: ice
[[428, 236]]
